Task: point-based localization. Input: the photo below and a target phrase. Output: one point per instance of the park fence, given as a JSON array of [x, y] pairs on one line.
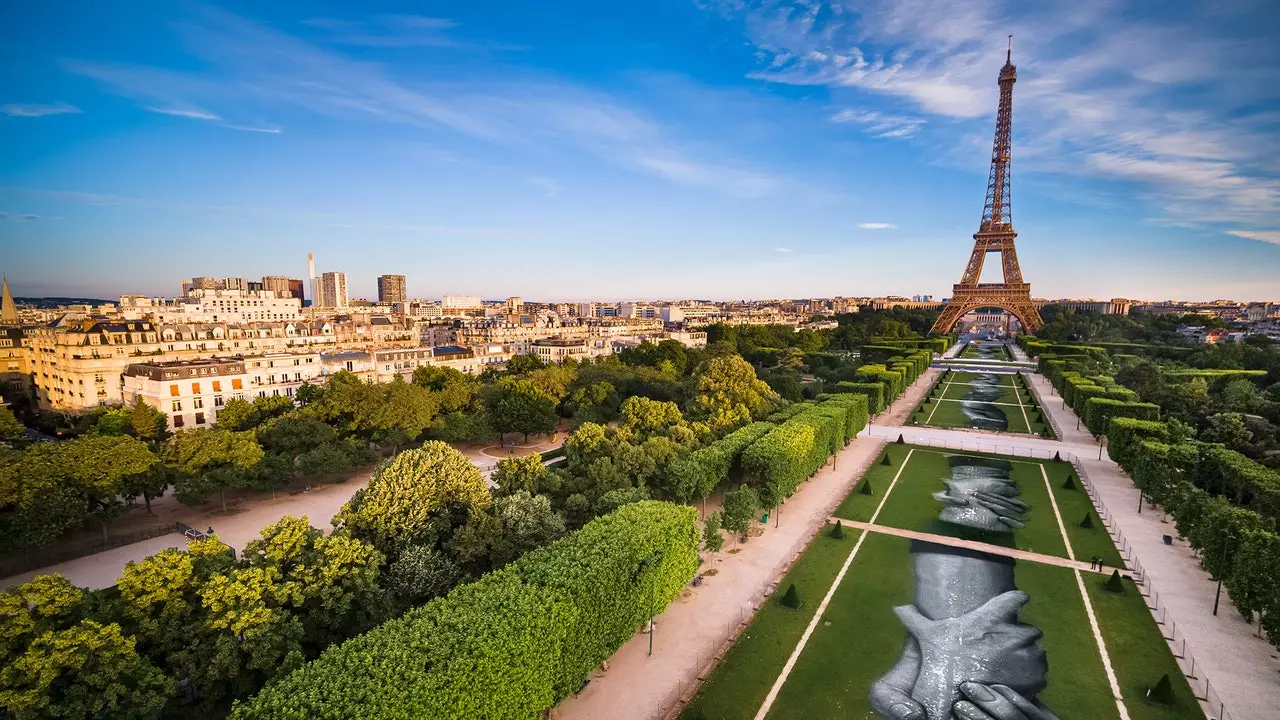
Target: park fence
[[25, 561]]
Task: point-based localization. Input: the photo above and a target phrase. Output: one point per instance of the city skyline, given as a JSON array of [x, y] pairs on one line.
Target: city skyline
[[711, 150]]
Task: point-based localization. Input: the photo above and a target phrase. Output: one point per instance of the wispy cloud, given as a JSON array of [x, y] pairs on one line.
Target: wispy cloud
[[254, 128], [1169, 105], [782, 250], [877, 226], [879, 124], [549, 187], [512, 112], [30, 217], [189, 113], [400, 31], [1267, 236], [37, 110]]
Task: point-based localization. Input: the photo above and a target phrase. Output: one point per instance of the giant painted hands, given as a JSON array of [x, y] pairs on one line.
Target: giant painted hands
[[997, 702], [985, 647], [982, 504]]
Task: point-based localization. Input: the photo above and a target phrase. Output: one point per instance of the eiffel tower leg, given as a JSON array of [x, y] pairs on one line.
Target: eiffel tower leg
[[951, 314]]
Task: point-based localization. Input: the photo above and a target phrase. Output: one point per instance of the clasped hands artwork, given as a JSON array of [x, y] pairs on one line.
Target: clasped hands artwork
[[966, 654]]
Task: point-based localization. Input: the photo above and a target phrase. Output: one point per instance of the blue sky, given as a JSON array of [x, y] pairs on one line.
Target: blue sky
[[666, 149]]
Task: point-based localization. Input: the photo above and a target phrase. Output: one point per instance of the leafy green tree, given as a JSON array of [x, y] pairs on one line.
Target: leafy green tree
[[88, 670], [595, 402], [437, 377], [1254, 582], [45, 603], [553, 380], [10, 429], [393, 510], [523, 408], [237, 414], [211, 460], [740, 507], [148, 485], [146, 422], [293, 435], [521, 364], [325, 461], [729, 394], [521, 473], [306, 394], [1228, 429], [644, 416], [711, 537], [615, 499], [1242, 396], [421, 573], [527, 522]]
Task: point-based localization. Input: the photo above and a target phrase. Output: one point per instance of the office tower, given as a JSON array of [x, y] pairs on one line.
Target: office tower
[[311, 273], [391, 289]]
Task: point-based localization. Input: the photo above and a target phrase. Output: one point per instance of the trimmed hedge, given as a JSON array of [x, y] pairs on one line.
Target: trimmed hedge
[[782, 459], [787, 413], [713, 465], [509, 645], [1099, 408], [1124, 434], [874, 392]]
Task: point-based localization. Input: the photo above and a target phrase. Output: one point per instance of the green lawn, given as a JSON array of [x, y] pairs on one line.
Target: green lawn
[[739, 683], [1139, 653], [859, 506], [1074, 505], [911, 506], [943, 407], [971, 351], [860, 639]]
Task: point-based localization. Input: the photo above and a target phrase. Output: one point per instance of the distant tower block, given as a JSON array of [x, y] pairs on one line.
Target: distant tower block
[[311, 275], [995, 234]]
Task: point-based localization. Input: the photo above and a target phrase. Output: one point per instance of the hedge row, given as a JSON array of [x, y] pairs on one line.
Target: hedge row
[[511, 644], [873, 391], [793, 451], [938, 344], [712, 466], [1124, 435], [787, 413]]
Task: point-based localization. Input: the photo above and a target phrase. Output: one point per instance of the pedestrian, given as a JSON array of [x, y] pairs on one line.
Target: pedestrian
[[209, 531]]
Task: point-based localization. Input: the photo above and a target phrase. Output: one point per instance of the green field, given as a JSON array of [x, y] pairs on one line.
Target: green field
[[1011, 406], [859, 637], [1000, 352]]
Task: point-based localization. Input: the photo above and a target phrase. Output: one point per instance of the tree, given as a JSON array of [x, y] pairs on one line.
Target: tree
[[792, 598], [237, 414], [421, 573], [837, 531], [527, 522], [148, 485], [1114, 584], [520, 473], [146, 422], [643, 416], [393, 510], [306, 394], [711, 537], [597, 401], [211, 460], [740, 507], [523, 408], [10, 429], [1242, 396], [88, 670], [1254, 582], [438, 377], [325, 461], [521, 364], [1228, 429], [615, 499], [729, 394]]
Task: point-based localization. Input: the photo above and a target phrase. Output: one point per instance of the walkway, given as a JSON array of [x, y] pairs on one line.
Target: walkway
[[975, 545]]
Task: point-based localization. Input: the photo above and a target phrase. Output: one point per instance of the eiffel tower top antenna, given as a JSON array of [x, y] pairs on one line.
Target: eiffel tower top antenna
[[1009, 56]]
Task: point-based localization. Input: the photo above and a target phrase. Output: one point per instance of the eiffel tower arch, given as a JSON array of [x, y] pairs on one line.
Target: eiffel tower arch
[[995, 233]]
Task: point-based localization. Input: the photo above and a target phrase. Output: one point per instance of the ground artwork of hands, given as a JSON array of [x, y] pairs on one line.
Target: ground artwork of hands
[[982, 503]]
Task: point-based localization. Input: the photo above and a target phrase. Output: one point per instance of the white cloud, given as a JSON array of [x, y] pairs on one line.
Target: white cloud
[[877, 226], [880, 125], [182, 112], [1267, 236], [36, 110], [782, 250], [1167, 104], [254, 128]]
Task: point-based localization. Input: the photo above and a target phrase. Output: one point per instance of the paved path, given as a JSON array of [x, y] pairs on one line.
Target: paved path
[[974, 545], [1242, 670]]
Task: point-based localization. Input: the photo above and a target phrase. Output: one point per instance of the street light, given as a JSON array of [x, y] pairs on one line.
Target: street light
[[1106, 423], [1227, 537], [645, 564]]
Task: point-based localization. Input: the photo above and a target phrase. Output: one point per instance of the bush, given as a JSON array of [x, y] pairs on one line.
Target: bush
[[1114, 584], [792, 598], [865, 487], [886, 461], [1087, 521], [837, 531], [1124, 434], [1069, 483], [511, 644], [1162, 691]]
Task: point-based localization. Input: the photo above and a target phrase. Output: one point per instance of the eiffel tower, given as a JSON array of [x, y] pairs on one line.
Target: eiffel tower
[[995, 234]]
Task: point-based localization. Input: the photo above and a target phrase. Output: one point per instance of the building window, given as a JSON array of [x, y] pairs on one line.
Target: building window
[[195, 388], [199, 418], [173, 391], [297, 377], [217, 401], [288, 391], [177, 421], [217, 386], [176, 406], [236, 384], [197, 403]]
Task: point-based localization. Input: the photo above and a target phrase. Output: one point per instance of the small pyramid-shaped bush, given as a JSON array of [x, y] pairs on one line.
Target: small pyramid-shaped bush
[[865, 488], [900, 440], [1040, 418], [1113, 583], [837, 532], [1057, 457], [1162, 691], [886, 461], [792, 598], [1044, 433], [1087, 522], [1069, 483]]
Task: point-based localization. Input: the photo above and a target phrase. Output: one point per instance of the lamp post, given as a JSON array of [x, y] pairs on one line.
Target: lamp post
[[1139, 501], [1227, 537], [1106, 421]]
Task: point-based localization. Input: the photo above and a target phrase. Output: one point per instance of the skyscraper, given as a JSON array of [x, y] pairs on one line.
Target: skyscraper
[[333, 290], [391, 289]]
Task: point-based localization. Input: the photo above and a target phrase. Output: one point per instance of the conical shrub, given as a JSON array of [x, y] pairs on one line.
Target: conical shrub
[[865, 488], [792, 598], [1069, 483], [837, 532], [1057, 457], [1162, 691], [1087, 521], [1114, 583], [886, 461], [900, 440]]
